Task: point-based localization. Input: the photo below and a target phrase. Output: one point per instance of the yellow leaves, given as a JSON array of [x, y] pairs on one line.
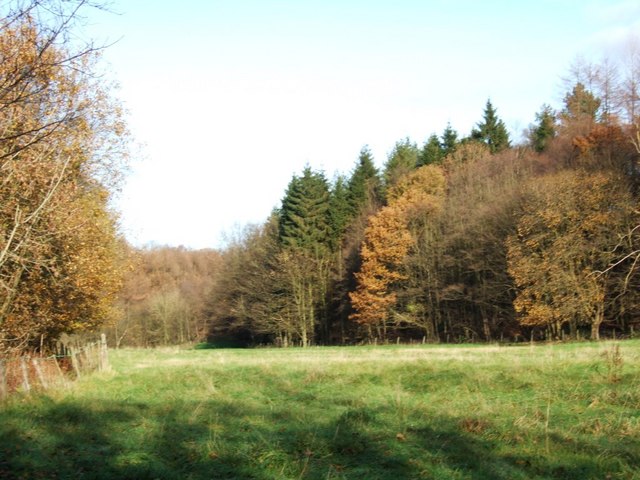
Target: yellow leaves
[[59, 143], [565, 233], [426, 183], [388, 240]]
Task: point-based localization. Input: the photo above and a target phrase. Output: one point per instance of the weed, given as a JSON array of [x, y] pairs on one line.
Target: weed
[[614, 362]]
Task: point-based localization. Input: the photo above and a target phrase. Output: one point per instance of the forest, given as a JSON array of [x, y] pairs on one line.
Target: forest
[[464, 237]]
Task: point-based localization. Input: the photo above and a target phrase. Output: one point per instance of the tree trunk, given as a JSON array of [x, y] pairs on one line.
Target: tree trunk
[[595, 326]]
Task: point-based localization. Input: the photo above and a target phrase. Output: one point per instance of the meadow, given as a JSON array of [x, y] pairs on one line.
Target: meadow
[[388, 412]]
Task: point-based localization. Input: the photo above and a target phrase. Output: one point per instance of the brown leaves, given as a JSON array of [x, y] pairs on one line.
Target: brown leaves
[[58, 150]]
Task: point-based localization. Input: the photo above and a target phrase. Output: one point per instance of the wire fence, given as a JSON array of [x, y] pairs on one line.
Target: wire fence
[[27, 374]]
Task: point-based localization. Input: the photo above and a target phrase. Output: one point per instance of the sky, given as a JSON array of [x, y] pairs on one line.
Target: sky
[[228, 99]]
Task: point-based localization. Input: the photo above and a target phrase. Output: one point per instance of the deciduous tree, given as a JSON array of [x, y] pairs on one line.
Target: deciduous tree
[[62, 144], [564, 237], [387, 243]]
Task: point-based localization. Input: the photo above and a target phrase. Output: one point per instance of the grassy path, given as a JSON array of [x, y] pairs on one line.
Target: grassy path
[[476, 412]]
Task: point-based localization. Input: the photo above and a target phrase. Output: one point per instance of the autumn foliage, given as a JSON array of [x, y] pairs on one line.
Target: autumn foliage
[[62, 146], [566, 234], [387, 243], [467, 238]]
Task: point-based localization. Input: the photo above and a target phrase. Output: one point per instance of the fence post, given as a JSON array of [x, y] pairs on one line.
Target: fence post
[[36, 365], [63, 378], [104, 353], [74, 361], [25, 374], [3, 380]]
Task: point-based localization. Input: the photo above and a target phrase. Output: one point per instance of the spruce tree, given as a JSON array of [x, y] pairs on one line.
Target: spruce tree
[[450, 140], [340, 212], [432, 152], [364, 185], [545, 130], [403, 159], [304, 216], [305, 236], [491, 130], [580, 105]]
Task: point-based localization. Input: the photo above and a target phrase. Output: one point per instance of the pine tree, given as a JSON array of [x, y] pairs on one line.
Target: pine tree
[[304, 217], [432, 152], [364, 185], [580, 105], [340, 211], [450, 140], [545, 130], [491, 130], [403, 159]]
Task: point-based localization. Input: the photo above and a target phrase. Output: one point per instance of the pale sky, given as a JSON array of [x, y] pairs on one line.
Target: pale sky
[[228, 99]]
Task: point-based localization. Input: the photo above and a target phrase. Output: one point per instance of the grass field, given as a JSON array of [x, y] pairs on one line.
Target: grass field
[[476, 412]]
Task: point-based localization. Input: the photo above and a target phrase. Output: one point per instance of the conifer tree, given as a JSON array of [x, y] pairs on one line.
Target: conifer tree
[[545, 130], [491, 130], [450, 140], [304, 217], [305, 235], [340, 211], [364, 185], [580, 105], [432, 152], [403, 159]]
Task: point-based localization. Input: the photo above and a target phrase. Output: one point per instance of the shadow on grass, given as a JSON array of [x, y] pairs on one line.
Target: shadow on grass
[[220, 344], [223, 439], [69, 440]]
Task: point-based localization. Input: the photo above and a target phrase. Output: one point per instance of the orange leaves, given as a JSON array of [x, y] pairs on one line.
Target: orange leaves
[[388, 241]]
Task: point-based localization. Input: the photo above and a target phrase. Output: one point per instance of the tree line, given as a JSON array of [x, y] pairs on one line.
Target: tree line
[[463, 238]]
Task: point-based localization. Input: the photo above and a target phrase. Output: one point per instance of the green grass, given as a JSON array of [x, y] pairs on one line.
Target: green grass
[[450, 412]]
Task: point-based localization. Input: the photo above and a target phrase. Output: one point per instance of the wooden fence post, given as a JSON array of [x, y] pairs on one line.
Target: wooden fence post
[[25, 374], [63, 378], [104, 353], [3, 380], [41, 379], [74, 361]]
